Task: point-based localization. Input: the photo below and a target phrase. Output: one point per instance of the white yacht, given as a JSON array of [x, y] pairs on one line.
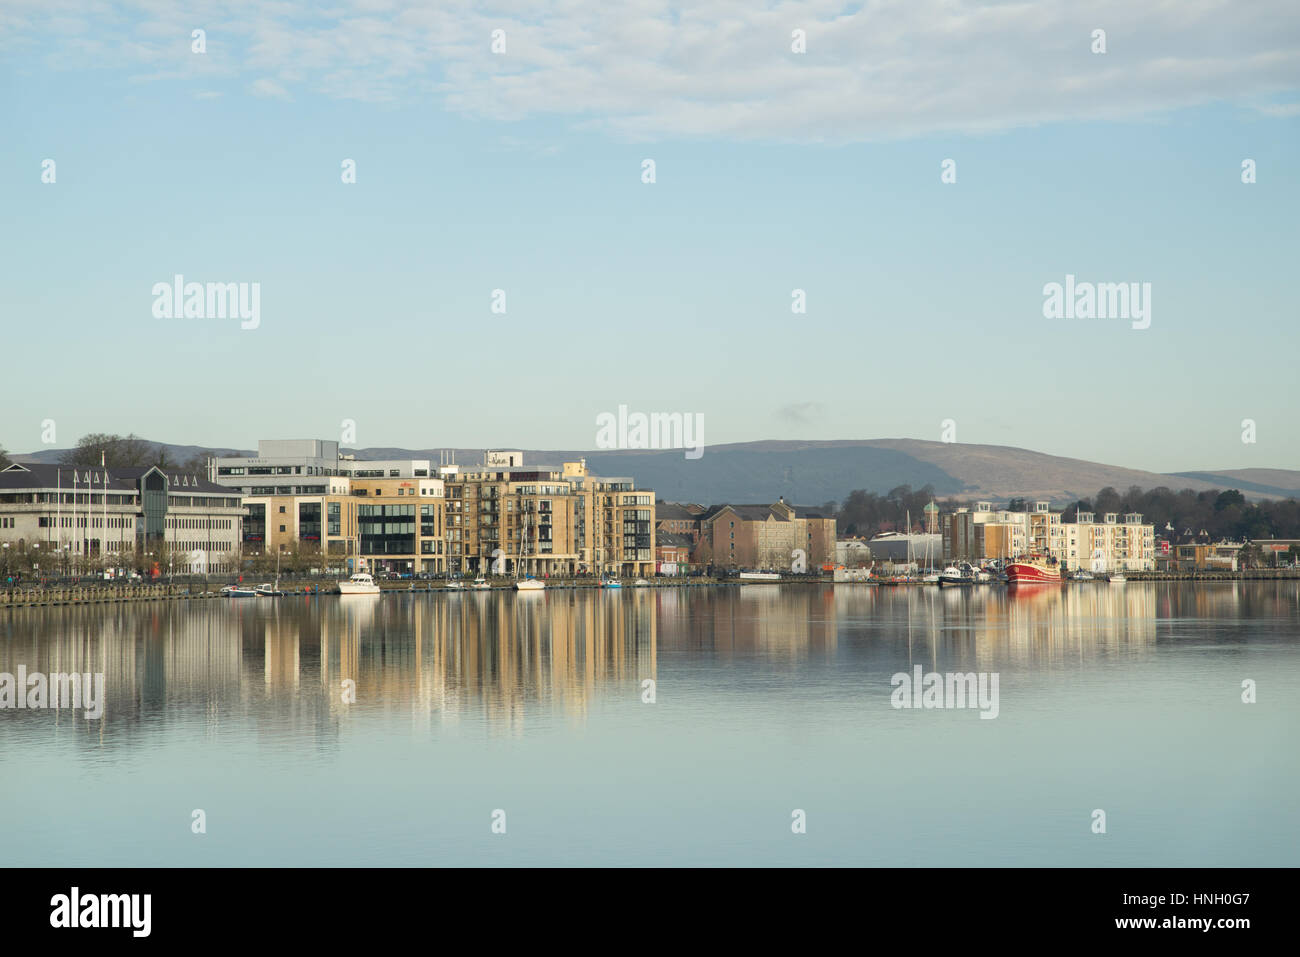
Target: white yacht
[[529, 584], [480, 584], [960, 574], [359, 584]]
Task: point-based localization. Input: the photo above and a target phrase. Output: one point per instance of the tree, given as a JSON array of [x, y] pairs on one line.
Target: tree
[[198, 463], [4, 459], [1108, 500], [117, 451], [1228, 498]]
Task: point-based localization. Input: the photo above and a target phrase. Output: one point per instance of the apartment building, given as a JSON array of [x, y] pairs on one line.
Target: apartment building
[[404, 516], [615, 530], [510, 520], [1108, 545], [102, 517]]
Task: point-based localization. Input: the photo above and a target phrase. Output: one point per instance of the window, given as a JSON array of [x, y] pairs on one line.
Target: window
[[282, 512], [282, 528]]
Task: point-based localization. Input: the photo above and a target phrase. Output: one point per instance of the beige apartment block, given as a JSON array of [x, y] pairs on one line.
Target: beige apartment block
[[1108, 545]]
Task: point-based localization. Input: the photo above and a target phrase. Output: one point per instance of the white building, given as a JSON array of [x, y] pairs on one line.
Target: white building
[[77, 515]]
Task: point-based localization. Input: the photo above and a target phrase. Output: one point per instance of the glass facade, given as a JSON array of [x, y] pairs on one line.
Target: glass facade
[[154, 501], [387, 529], [309, 521], [636, 534], [255, 524]]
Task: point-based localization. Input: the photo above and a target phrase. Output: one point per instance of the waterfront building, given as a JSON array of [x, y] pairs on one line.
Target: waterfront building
[[1207, 556], [765, 536], [1108, 545], [680, 518], [283, 467], [90, 518], [406, 517], [917, 547], [672, 552], [615, 523], [852, 552]]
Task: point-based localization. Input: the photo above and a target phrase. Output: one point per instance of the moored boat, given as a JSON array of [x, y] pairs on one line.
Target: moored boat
[[957, 575], [480, 584], [529, 584], [238, 591], [1034, 570], [359, 584]]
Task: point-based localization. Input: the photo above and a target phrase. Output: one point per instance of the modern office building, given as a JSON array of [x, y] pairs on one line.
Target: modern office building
[[283, 467], [100, 518]]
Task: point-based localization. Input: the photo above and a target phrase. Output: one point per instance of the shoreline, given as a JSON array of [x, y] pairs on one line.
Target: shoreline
[[47, 596]]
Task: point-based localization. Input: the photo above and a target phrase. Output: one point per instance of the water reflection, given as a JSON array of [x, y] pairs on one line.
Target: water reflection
[[506, 659]]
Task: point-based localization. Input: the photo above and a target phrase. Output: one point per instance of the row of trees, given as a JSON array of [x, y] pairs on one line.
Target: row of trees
[[124, 451], [1220, 514], [128, 451], [864, 513], [23, 560]]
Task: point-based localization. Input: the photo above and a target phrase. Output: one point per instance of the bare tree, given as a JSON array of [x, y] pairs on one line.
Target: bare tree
[[115, 451]]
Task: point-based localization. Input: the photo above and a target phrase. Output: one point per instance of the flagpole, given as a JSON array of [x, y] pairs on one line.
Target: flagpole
[[103, 535]]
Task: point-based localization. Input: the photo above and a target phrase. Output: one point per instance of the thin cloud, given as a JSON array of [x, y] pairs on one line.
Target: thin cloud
[[802, 413], [649, 69]]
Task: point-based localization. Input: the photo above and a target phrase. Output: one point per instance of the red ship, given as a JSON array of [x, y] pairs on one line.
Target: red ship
[[1034, 570]]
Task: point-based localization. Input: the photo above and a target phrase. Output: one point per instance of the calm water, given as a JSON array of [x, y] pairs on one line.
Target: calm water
[[768, 699]]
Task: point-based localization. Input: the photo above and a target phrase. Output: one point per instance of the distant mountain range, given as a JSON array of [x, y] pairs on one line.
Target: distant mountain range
[[816, 472]]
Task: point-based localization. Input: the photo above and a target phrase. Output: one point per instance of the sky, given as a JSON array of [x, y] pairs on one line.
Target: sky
[[523, 170]]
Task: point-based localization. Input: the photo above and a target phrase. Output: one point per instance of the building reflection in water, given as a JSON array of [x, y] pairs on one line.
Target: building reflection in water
[[504, 659]]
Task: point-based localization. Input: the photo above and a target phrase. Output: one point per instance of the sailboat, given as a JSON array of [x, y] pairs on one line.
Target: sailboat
[[931, 576], [267, 590], [526, 583]]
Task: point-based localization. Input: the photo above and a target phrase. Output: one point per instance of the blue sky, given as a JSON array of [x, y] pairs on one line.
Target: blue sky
[[774, 172]]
